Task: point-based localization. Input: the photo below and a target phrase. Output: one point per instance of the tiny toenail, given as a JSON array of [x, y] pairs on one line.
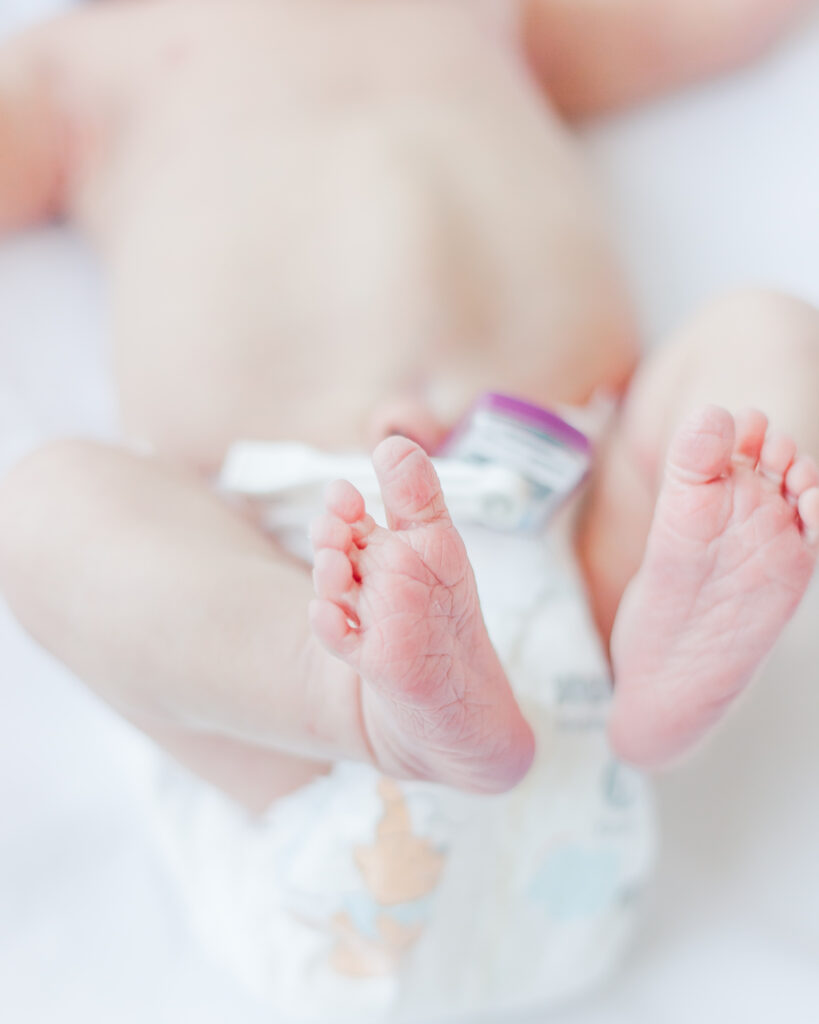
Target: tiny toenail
[[396, 432]]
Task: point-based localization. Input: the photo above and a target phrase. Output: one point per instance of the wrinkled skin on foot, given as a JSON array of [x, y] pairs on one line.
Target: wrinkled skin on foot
[[401, 607], [731, 551]]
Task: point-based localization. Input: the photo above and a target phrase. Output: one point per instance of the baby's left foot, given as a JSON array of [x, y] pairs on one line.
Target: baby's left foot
[[400, 606], [731, 552]]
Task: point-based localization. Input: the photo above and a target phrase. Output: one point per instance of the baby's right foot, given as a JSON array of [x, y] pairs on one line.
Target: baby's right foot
[[731, 551], [400, 606]]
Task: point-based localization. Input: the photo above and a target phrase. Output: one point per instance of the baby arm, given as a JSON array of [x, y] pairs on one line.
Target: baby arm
[[596, 55]]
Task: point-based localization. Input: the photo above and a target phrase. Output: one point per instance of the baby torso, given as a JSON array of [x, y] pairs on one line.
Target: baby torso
[[300, 226]]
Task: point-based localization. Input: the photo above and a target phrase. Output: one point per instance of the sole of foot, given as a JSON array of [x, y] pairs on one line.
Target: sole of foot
[[400, 606], [731, 551]]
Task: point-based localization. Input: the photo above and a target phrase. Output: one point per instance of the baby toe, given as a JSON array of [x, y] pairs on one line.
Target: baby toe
[[332, 573], [362, 530], [809, 514], [802, 475], [331, 625], [344, 501], [701, 449], [778, 452], [409, 484], [751, 425], [329, 531]]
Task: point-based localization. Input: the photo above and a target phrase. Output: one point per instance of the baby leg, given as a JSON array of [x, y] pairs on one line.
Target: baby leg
[[187, 619], [725, 552], [179, 613]]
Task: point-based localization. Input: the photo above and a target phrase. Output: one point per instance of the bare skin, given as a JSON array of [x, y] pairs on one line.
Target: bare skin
[[732, 548], [749, 351], [361, 154], [594, 56], [436, 113], [435, 698]]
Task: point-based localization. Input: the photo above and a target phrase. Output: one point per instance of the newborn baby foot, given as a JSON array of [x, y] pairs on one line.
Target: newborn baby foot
[[731, 551], [401, 608]]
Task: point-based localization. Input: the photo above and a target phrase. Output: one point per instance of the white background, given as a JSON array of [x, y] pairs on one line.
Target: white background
[[709, 190]]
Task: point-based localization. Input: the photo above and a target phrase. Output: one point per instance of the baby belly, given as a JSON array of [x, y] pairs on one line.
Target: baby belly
[[282, 286], [225, 367]]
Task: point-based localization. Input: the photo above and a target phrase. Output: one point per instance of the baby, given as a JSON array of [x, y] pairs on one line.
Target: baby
[[339, 222]]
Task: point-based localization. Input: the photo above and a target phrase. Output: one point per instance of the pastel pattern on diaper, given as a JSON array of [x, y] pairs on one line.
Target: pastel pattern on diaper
[[577, 880]]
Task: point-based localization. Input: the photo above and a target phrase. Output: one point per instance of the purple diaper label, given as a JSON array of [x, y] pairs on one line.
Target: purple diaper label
[[550, 454]]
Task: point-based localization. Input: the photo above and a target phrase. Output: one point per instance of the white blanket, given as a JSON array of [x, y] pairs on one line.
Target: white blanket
[[709, 190]]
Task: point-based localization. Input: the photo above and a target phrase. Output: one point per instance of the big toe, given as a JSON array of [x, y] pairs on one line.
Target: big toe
[[701, 449], [409, 484]]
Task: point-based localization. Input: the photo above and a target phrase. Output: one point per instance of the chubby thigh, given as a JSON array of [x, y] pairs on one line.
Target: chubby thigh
[[339, 228]]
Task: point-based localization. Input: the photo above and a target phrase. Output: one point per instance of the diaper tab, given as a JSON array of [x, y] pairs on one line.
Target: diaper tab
[[287, 475]]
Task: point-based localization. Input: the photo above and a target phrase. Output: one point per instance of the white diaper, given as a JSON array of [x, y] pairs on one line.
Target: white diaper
[[367, 899]]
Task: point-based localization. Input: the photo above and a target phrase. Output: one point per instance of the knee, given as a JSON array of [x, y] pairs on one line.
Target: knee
[[33, 501], [752, 303], [756, 321]]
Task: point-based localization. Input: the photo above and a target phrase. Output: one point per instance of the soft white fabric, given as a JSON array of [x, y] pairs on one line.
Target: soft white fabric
[[709, 190], [520, 900]]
